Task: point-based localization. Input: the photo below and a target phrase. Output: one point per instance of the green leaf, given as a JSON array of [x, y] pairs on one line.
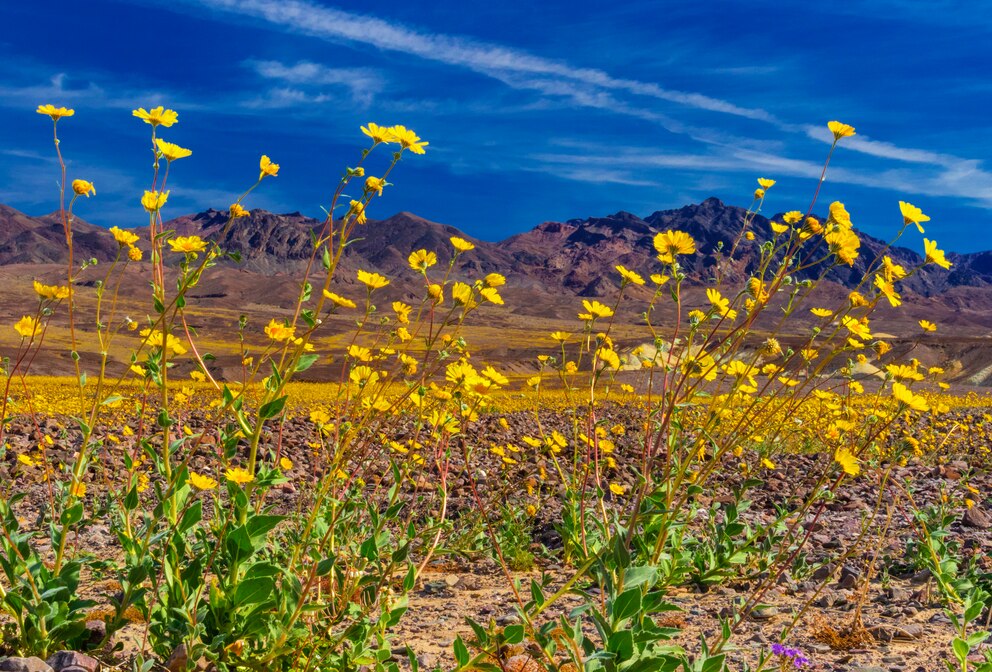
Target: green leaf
[[626, 605], [73, 514], [513, 634], [272, 408], [306, 361], [253, 590], [961, 649], [193, 515], [461, 652]]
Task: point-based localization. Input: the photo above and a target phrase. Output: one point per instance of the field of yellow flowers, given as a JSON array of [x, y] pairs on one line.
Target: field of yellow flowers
[[719, 497]]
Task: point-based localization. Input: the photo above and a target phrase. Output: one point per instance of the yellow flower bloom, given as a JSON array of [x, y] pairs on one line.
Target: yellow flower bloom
[[857, 328], [402, 311], [847, 461], [83, 188], [926, 325], [77, 489], [123, 238], [157, 116], [629, 276], [285, 463], [494, 280], [377, 133], [375, 184], [372, 280], [339, 300], [279, 331], [659, 279], [491, 294], [669, 244], [461, 244], [720, 303], [51, 291], [933, 255], [26, 326], [765, 183], [912, 215], [461, 294], [154, 340], [187, 244], [905, 396], [617, 489], [154, 200], [134, 254], [560, 336], [170, 151], [407, 139], [792, 217], [236, 211], [266, 167], [421, 260], [759, 193], [767, 464], [357, 209], [596, 309], [55, 113], [201, 482], [779, 229], [840, 130], [239, 476], [888, 290]]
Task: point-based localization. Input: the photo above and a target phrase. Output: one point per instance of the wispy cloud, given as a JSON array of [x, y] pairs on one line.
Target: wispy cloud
[[479, 56], [362, 84]]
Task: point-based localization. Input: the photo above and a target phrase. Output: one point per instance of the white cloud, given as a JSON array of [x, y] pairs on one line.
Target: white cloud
[[362, 84]]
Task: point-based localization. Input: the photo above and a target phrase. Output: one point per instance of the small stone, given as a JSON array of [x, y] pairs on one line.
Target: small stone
[[764, 613], [96, 631], [508, 619], [976, 518], [32, 664], [73, 661]]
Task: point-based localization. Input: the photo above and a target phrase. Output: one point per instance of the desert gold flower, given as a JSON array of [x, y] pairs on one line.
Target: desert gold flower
[[792, 217], [421, 260], [407, 139], [372, 280], [494, 280], [279, 331], [51, 291], [720, 303], [236, 211], [912, 215], [157, 116], [767, 464], [847, 461], [378, 133], [765, 183], [201, 482], [187, 244], [123, 238], [560, 336], [153, 201], [892, 270], [461, 244], [670, 244], [339, 300], [905, 396], [888, 290], [933, 255], [266, 167], [904, 372], [239, 476], [359, 353], [402, 311], [375, 185], [628, 276], [285, 463], [617, 489], [597, 309], [845, 244], [609, 356], [26, 326], [926, 325], [357, 210], [134, 254], [759, 193], [83, 188], [461, 294], [659, 279], [857, 328], [495, 376], [840, 130], [491, 294], [170, 151], [55, 113], [779, 229], [77, 489], [155, 340]]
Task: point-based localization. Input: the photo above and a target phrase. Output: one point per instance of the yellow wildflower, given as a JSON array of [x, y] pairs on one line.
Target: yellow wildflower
[[187, 244], [629, 276], [840, 130], [239, 476], [407, 139], [375, 185], [83, 188], [170, 151], [927, 325], [339, 300], [669, 244], [421, 260], [236, 211], [266, 167], [933, 255], [279, 331], [123, 238], [461, 244], [55, 113], [26, 326], [377, 133], [201, 482], [847, 461], [157, 116], [372, 280], [154, 200], [913, 215]]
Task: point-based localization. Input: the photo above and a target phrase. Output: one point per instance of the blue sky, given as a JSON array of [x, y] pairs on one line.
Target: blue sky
[[534, 111]]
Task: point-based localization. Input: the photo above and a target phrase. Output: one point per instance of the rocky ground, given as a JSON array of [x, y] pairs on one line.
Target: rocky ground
[[870, 610]]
